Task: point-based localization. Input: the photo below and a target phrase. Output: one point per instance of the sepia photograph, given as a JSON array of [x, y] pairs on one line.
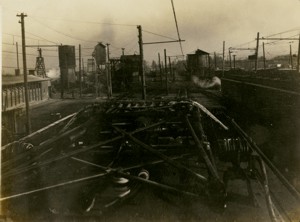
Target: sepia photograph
[[150, 111]]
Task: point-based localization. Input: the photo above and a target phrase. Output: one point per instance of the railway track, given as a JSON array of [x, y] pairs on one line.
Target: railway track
[[163, 159]]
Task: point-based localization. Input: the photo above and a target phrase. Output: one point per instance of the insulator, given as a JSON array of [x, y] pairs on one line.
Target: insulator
[[232, 149], [121, 187], [144, 174]]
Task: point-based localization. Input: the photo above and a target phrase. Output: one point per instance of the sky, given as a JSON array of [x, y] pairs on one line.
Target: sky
[[203, 24]]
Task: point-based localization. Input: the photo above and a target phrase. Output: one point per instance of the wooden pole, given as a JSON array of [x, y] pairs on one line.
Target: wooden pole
[[142, 71], [229, 53], [291, 57], [166, 71], [80, 86], [215, 60], [17, 50], [160, 71], [223, 59], [28, 121], [264, 55], [108, 74], [234, 62], [298, 59], [256, 51]]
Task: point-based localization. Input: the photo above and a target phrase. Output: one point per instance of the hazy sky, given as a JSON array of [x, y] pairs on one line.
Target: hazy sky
[[203, 24]]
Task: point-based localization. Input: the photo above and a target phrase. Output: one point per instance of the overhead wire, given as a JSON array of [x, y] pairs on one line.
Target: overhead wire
[[62, 33], [158, 34], [88, 22]]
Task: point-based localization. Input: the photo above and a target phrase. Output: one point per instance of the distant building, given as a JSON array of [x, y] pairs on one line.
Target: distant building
[[198, 64], [13, 100]]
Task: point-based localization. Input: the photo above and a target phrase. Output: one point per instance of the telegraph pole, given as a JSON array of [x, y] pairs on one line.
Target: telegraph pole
[[234, 62], [142, 72], [223, 59], [80, 86], [109, 85], [28, 122], [298, 39], [264, 55], [291, 57], [215, 60], [256, 51], [298, 59], [18, 65], [229, 52], [160, 72], [166, 71]]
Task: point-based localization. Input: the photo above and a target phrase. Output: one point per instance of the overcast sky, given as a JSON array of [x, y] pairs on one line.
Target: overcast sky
[[203, 24]]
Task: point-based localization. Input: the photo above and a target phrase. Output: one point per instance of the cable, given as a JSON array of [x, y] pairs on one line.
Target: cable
[[67, 35], [159, 35], [90, 22], [42, 38]]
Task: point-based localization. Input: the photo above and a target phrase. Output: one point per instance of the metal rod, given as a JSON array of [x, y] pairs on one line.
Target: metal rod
[[54, 186], [207, 112], [139, 179], [162, 156], [38, 132], [204, 155], [75, 152], [284, 181]]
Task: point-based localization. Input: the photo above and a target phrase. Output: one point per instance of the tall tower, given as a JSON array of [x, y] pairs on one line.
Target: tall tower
[[40, 65]]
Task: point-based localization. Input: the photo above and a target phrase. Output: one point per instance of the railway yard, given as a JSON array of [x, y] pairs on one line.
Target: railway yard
[[175, 157]]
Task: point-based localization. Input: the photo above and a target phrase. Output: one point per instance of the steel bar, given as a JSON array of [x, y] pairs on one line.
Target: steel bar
[[265, 185], [38, 131], [54, 186], [254, 147], [207, 112], [139, 179], [162, 156], [154, 162], [158, 185], [204, 155], [49, 142], [13, 172]]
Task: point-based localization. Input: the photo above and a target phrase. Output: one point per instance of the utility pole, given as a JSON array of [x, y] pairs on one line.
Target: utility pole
[[160, 72], [28, 122], [170, 68], [142, 71], [80, 86], [18, 65], [256, 51], [264, 55], [298, 39], [123, 51], [291, 57], [234, 62], [215, 60], [166, 71], [223, 59], [82, 62], [109, 85], [298, 59], [229, 52]]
